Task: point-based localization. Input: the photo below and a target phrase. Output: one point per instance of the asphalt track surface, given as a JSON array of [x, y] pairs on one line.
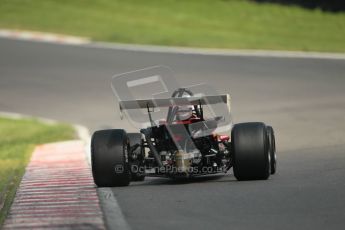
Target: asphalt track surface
[[303, 99]]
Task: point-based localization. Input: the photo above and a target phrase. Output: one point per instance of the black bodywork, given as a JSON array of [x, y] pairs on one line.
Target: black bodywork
[[176, 148]]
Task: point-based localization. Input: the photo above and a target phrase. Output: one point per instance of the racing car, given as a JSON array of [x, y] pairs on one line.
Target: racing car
[[185, 144]]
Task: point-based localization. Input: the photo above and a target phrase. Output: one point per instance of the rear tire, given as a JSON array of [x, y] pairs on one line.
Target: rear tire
[[109, 158], [272, 146], [137, 162], [250, 149]]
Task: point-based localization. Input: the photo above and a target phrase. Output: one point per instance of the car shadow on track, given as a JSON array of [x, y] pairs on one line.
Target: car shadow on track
[[183, 181]]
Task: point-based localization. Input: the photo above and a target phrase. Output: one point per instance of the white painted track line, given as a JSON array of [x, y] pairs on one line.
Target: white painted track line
[[86, 42]]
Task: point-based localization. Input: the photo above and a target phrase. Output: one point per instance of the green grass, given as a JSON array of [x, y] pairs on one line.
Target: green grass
[[17, 141], [236, 24]]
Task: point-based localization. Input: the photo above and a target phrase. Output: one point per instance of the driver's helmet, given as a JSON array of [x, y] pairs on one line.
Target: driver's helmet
[[184, 112]]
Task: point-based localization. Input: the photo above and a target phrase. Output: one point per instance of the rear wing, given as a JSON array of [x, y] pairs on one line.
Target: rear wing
[[174, 101]]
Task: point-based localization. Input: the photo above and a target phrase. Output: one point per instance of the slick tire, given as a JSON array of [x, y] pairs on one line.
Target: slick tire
[[109, 158], [250, 149], [272, 146]]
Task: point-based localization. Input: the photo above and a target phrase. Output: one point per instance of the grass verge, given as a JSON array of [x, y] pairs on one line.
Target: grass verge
[[239, 24], [17, 141]]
